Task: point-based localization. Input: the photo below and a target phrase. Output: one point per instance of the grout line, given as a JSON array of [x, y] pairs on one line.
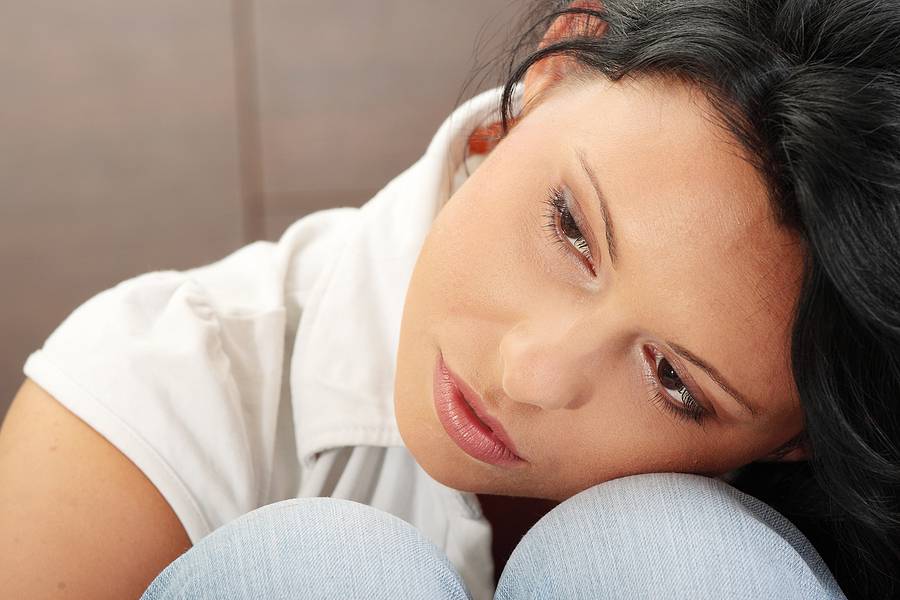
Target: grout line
[[247, 115]]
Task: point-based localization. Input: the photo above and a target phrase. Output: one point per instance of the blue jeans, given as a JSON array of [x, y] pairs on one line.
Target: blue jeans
[[654, 535]]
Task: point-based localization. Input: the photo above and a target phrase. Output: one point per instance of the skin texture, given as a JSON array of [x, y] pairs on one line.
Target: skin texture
[[78, 519], [557, 345]]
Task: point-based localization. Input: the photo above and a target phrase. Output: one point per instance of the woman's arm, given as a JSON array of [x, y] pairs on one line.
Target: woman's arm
[[77, 518]]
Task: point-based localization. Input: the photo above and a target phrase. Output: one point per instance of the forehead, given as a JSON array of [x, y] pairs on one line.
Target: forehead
[[701, 257]]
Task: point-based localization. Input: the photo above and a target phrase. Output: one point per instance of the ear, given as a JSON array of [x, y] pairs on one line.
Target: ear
[[545, 74], [795, 449]]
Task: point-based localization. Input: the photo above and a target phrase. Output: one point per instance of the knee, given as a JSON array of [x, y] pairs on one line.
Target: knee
[[336, 547], [330, 525], [668, 535], [316, 519]]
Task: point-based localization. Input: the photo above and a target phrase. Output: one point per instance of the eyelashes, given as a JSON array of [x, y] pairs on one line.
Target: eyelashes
[[668, 390], [696, 415], [564, 230], [563, 226], [667, 384]]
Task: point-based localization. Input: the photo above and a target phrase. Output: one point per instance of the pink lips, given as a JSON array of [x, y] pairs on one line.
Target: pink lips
[[460, 412]]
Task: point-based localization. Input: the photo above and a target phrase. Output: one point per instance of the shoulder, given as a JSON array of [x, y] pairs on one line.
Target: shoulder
[[171, 374], [183, 371]]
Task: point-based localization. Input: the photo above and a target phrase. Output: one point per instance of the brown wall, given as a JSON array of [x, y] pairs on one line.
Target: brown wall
[[163, 135]]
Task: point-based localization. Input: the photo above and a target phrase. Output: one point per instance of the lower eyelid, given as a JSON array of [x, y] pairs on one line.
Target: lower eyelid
[[585, 226]]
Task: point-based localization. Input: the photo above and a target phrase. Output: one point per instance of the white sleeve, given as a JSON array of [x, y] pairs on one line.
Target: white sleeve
[[182, 372]]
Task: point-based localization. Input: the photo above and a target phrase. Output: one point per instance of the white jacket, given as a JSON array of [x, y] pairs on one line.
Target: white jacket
[[269, 374]]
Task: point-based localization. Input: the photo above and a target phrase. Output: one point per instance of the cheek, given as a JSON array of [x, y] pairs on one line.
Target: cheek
[[622, 432], [613, 434], [480, 251]]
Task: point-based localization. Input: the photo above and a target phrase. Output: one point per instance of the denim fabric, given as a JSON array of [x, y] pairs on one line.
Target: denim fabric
[[311, 548], [655, 535], [665, 535]]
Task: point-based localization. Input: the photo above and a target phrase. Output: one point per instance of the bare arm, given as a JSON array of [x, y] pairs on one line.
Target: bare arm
[[77, 518]]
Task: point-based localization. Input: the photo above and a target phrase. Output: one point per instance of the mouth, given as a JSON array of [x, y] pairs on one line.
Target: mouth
[[462, 415]]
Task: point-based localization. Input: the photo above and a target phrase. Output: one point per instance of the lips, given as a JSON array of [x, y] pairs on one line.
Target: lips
[[463, 417], [475, 403]]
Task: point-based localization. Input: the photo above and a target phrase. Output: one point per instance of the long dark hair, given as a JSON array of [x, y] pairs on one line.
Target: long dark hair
[[811, 88]]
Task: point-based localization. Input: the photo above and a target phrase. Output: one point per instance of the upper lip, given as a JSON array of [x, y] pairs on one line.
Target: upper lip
[[474, 400]]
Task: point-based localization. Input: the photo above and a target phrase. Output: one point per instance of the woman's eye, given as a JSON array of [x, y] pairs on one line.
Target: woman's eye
[[563, 225], [676, 390], [668, 377]]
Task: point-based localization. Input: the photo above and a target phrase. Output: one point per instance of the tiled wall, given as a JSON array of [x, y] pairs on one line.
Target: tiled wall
[[154, 135]]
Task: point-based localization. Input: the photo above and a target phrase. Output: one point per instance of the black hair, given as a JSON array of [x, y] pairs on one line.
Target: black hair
[[811, 89]]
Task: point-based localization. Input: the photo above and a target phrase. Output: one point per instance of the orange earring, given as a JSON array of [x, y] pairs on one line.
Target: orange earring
[[483, 139]]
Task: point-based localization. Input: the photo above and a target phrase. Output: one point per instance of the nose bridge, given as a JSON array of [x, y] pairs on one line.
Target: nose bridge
[[545, 359]]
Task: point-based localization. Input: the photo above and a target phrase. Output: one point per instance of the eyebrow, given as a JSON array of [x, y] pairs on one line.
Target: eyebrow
[[604, 208], [715, 376], [711, 371]]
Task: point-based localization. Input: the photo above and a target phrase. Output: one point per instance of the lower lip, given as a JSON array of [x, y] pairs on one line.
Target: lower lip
[[462, 425]]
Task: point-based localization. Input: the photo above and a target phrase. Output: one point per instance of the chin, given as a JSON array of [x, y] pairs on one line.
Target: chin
[[457, 481], [445, 468], [443, 464]]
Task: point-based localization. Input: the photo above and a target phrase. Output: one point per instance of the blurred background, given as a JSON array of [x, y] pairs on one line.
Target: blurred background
[[143, 136]]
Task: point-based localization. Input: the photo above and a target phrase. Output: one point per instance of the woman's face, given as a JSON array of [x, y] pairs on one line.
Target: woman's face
[[587, 351]]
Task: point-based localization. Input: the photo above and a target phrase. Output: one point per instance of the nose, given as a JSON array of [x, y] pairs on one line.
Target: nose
[[546, 364]]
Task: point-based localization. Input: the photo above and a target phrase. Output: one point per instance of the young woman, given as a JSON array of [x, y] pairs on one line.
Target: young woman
[[657, 267]]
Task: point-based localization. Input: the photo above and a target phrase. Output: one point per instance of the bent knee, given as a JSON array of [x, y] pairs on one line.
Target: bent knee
[[673, 535], [334, 547], [318, 520]]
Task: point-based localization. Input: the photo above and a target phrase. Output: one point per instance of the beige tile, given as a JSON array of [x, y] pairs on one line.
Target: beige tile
[[282, 211], [118, 153], [351, 93]]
